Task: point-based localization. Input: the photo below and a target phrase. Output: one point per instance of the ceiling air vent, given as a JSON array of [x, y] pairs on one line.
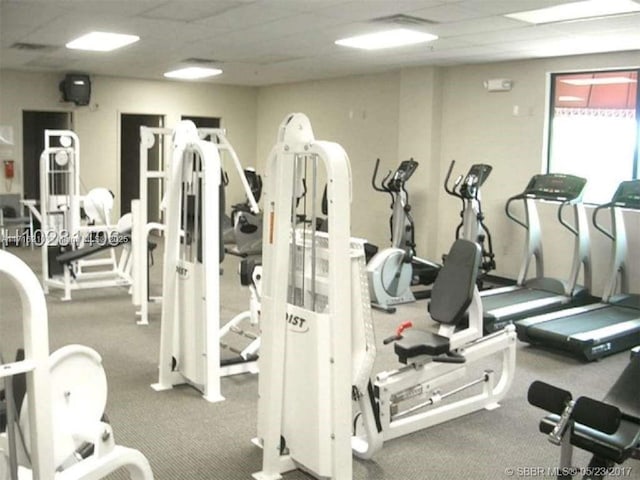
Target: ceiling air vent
[[404, 20], [33, 47], [200, 61]]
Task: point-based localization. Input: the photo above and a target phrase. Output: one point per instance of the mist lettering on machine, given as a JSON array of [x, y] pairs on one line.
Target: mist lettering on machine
[[297, 323]]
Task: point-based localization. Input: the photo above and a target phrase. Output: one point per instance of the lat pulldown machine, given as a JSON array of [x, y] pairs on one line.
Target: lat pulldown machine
[[190, 330]]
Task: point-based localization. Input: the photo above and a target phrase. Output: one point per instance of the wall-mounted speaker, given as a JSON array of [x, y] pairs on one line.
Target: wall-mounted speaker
[[76, 88]]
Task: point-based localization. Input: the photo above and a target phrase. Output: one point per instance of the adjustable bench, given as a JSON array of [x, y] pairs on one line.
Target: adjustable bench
[[609, 430]]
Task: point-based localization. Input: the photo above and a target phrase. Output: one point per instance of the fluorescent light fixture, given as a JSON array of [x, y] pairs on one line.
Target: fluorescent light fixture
[[387, 39], [576, 11], [102, 41], [569, 98], [598, 81], [193, 73]]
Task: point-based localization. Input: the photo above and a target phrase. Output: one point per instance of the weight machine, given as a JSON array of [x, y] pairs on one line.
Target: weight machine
[[66, 239], [306, 351], [412, 398], [155, 181], [319, 347], [190, 331], [58, 432]]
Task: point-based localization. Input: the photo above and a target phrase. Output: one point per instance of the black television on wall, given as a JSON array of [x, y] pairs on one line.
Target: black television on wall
[[76, 88]]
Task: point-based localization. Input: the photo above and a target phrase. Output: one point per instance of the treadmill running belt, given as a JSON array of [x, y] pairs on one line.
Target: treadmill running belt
[[513, 297], [583, 322]]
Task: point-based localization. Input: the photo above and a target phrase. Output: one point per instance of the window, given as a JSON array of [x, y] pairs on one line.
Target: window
[[594, 129]]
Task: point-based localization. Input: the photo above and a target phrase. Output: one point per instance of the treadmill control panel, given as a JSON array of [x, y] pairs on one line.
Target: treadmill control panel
[[556, 187], [627, 195]]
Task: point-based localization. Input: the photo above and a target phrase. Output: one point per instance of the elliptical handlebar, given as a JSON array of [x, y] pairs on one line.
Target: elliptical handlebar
[[383, 184], [452, 191]]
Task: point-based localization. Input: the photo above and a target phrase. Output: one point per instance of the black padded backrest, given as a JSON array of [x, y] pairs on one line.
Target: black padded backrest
[[625, 393], [453, 289]]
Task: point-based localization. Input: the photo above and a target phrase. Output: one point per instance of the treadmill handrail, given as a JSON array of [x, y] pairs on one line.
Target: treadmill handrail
[[598, 226], [562, 221], [510, 215]]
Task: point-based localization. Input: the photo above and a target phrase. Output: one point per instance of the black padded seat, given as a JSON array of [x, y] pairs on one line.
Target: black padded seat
[[420, 342], [616, 447], [450, 297]]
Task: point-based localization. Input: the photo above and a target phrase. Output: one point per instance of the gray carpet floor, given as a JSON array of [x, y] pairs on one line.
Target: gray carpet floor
[[185, 437]]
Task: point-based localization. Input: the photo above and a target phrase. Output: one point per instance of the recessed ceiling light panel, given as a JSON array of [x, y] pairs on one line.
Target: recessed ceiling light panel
[[576, 11], [193, 73], [102, 41], [398, 37]]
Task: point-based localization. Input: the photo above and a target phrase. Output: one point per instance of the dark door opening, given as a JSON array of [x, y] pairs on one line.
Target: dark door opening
[[130, 163], [203, 122], [34, 124]]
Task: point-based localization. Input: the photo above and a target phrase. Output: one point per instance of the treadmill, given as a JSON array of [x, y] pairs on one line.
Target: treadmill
[[541, 294], [603, 328]]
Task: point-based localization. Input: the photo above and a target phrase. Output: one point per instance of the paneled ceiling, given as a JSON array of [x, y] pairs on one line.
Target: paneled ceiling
[[261, 42]]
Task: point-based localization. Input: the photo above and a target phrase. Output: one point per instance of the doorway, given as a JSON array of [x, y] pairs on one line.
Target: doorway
[[34, 123], [130, 163]]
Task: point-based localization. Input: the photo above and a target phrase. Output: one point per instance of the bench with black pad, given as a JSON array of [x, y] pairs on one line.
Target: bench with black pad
[[608, 429], [94, 247]]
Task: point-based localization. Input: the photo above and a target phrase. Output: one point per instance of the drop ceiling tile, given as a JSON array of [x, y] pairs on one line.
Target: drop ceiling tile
[[501, 7], [246, 16], [487, 24], [448, 14], [191, 10]]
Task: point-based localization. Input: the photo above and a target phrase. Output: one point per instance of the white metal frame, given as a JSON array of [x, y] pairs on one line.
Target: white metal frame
[[142, 228], [305, 347], [107, 456], [424, 379], [61, 223]]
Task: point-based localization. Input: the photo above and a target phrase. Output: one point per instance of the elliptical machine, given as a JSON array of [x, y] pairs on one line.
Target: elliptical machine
[[472, 225], [393, 270]]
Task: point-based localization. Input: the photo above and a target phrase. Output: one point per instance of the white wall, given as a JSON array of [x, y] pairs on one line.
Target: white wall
[[436, 115], [432, 114], [361, 114], [98, 125], [478, 126]]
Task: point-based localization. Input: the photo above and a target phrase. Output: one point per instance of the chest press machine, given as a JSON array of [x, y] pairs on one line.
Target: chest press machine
[[313, 360]]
